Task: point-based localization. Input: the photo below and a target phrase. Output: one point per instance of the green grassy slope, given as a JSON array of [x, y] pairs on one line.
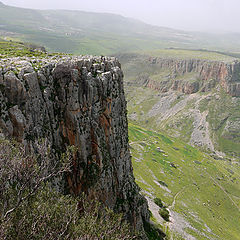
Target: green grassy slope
[[177, 111], [83, 32], [100, 33], [20, 49], [190, 54], [224, 120], [201, 190], [17, 49]]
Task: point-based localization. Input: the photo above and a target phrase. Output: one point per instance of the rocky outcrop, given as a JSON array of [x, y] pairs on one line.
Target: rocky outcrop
[[206, 75], [75, 101]]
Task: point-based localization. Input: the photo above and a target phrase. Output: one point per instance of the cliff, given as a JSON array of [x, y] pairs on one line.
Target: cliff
[[193, 75], [75, 101]]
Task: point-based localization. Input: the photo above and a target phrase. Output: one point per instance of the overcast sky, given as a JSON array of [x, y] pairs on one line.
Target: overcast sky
[[203, 15]]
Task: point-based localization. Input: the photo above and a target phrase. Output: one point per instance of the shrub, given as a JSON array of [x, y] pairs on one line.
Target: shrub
[[158, 201], [164, 213], [163, 183], [31, 209], [50, 215], [153, 232]]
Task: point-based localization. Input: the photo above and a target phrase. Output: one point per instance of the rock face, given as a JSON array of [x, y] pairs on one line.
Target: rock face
[[205, 75], [76, 101]]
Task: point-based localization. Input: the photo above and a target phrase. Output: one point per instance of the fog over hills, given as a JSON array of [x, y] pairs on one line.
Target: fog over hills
[[101, 33], [204, 15]]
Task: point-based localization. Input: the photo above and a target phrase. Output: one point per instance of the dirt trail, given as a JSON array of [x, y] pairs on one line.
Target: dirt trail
[[175, 197]]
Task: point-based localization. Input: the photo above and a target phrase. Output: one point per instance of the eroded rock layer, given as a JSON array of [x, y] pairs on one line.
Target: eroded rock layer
[[75, 101], [204, 75]]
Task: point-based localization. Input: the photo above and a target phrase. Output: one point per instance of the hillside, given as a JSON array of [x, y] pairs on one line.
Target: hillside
[[186, 94], [100, 33], [192, 98], [20, 49], [202, 194]]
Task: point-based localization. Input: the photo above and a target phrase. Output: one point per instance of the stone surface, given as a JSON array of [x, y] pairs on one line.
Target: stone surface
[[76, 101]]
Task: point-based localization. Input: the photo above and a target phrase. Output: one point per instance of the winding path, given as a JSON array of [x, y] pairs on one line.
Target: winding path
[[175, 197]]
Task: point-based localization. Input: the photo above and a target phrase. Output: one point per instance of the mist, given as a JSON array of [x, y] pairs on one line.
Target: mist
[[194, 15]]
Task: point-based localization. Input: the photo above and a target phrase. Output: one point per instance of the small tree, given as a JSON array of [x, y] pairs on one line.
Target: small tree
[[158, 201], [164, 213], [22, 175]]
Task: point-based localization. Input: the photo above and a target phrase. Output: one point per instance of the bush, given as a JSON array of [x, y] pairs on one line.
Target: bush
[[158, 201], [163, 210], [31, 209], [50, 215], [164, 213], [153, 232]]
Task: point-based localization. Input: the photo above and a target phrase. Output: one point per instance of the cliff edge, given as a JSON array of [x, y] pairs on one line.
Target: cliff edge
[[75, 101], [205, 75], [187, 76]]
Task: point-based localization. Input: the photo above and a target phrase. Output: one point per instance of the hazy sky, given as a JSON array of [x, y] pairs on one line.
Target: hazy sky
[[203, 15]]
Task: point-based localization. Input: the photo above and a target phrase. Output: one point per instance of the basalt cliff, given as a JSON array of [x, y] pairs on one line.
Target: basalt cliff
[[75, 101], [193, 75]]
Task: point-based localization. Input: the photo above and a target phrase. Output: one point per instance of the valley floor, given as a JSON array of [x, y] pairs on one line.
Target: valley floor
[[202, 194]]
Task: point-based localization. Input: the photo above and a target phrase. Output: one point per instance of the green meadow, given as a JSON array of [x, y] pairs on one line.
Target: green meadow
[[201, 191]]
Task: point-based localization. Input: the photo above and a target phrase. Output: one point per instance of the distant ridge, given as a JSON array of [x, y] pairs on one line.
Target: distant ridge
[[82, 32]]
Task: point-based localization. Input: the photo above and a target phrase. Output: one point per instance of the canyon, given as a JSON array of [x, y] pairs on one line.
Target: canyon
[[193, 75], [191, 98]]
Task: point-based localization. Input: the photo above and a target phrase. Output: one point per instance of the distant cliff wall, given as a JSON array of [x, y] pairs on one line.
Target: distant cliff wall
[[207, 75], [75, 101]]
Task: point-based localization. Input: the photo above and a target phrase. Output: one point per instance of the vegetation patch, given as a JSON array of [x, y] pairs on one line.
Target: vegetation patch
[[158, 201], [32, 208], [202, 190], [164, 213]]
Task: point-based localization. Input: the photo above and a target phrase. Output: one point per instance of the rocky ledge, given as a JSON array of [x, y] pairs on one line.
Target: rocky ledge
[[204, 75], [75, 101]]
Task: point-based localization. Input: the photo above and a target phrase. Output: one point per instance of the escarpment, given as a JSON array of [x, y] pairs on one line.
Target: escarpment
[[75, 101], [190, 75], [205, 75]]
